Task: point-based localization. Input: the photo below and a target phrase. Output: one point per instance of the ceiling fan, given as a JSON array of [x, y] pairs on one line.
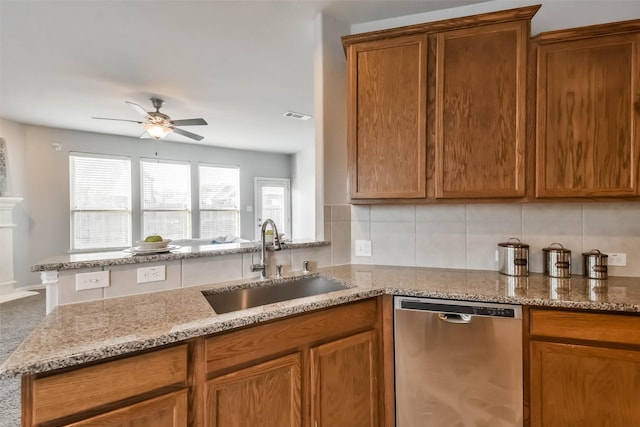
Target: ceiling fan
[[158, 124]]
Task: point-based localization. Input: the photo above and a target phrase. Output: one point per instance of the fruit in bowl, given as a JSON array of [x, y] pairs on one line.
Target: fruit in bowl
[[153, 242]]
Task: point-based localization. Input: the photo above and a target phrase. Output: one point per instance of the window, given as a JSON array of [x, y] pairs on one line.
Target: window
[[100, 196], [219, 201], [166, 198]]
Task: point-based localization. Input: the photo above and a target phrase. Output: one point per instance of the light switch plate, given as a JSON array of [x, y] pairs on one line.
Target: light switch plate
[[156, 273], [93, 280], [363, 248]]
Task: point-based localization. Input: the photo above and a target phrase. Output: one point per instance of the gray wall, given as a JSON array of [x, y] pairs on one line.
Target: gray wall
[[43, 176]]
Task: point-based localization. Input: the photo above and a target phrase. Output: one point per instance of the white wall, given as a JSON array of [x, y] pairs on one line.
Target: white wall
[[46, 180], [303, 185], [331, 116], [553, 15]]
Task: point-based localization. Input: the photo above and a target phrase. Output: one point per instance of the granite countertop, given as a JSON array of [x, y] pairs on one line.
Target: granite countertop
[[104, 259], [74, 334]]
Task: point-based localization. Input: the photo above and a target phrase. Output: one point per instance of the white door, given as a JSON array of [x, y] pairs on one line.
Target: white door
[[273, 200]]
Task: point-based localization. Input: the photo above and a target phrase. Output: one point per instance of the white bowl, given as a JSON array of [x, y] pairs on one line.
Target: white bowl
[[153, 245]]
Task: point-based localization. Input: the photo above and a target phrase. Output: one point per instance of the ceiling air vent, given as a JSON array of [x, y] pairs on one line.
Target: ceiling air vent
[[298, 116]]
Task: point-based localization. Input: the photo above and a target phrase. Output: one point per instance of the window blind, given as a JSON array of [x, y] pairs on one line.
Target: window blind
[[100, 196], [219, 201], [166, 198]]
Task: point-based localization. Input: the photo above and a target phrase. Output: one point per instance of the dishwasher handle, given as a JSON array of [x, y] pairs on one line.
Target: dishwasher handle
[[454, 318]]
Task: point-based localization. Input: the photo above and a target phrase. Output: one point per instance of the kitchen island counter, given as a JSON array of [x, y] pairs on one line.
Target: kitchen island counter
[[105, 259], [79, 333]]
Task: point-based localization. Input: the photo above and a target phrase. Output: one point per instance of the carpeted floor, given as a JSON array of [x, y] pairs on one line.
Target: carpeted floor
[[17, 320]]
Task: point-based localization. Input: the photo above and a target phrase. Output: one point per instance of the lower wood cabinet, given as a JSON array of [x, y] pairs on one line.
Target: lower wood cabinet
[[344, 385], [315, 370], [267, 394], [146, 389], [318, 369], [584, 369]]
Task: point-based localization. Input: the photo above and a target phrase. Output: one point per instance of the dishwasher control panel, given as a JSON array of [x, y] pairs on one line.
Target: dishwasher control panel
[[459, 307]]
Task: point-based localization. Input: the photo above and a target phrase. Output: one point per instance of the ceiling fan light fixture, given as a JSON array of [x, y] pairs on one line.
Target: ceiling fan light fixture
[[157, 131]]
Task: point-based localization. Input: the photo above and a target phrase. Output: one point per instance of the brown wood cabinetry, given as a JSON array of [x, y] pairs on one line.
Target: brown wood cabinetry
[[499, 116], [584, 369], [169, 410], [318, 369], [481, 75], [439, 123], [322, 368], [387, 103], [588, 111], [120, 384]]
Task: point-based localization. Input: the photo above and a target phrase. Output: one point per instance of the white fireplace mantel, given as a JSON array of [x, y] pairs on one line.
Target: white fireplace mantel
[[8, 288]]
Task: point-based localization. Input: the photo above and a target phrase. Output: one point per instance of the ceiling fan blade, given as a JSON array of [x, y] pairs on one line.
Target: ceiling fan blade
[[189, 122], [119, 120], [138, 108], [188, 134]]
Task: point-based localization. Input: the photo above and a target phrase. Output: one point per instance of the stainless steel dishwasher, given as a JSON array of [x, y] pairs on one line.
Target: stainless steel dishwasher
[[457, 363]]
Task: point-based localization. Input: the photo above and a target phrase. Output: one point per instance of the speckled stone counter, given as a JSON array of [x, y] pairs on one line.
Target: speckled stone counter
[[105, 259], [79, 333]]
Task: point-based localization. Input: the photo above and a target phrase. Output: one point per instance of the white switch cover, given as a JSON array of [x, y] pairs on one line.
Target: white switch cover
[[96, 279], [363, 247], [152, 274]]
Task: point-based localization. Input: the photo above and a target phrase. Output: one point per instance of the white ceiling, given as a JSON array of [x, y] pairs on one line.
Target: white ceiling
[[240, 65]]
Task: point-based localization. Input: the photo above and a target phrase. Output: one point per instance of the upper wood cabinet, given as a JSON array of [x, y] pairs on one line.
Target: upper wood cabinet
[[588, 108], [437, 110], [386, 131], [481, 75]]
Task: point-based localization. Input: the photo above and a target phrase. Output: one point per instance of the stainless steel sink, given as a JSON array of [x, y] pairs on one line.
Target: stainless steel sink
[[240, 299]]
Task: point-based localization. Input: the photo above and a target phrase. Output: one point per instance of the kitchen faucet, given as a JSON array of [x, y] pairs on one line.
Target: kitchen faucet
[[262, 267]]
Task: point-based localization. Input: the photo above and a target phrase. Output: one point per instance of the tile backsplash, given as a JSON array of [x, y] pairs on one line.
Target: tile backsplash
[[467, 236]]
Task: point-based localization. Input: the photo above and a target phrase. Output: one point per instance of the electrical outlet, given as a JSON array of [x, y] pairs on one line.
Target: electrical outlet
[[363, 247], [617, 260], [93, 280], [152, 274]]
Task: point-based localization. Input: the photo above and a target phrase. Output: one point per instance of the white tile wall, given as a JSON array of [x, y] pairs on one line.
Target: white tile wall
[[200, 271], [67, 293], [467, 236]]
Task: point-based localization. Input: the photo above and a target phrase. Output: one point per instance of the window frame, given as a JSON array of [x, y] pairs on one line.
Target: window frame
[[73, 210]]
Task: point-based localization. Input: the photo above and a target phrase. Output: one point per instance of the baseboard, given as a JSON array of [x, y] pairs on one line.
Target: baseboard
[[16, 295]]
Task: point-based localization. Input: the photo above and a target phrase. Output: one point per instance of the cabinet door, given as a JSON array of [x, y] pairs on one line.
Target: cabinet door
[[344, 385], [582, 386], [169, 410], [386, 118], [265, 395], [588, 102], [480, 111]]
